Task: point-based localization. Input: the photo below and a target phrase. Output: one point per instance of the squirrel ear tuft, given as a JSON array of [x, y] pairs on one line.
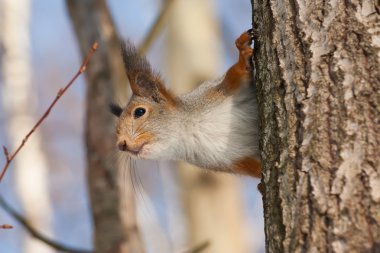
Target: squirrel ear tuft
[[143, 80], [149, 85], [116, 109], [134, 64]]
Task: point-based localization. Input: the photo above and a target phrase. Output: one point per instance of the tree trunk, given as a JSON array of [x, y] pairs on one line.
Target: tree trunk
[[106, 81], [318, 80]]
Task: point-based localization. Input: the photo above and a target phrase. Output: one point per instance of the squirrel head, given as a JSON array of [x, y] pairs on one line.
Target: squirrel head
[[144, 125]]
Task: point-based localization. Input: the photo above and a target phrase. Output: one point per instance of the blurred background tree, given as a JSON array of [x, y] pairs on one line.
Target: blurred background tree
[[18, 97], [175, 210], [212, 201]]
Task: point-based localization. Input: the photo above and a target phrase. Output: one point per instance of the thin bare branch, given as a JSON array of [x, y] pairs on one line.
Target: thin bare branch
[[156, 28], [10, 157], [6, 226], [36, 234]]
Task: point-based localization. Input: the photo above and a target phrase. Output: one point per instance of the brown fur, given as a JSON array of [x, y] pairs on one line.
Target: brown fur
[[169, 97], [241, 72], [136, 143], [248, 166]]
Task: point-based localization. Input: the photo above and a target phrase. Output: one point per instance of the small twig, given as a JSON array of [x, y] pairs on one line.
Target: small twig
[[6, 153], [155, 29], [35, 233], [10, 157], [199, 248], [6, 226]]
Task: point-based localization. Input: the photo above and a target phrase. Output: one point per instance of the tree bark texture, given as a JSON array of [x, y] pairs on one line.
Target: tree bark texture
[[318, 78], [106, 80]]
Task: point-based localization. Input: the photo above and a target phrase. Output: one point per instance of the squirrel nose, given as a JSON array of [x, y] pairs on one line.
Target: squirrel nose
[[122, 145]]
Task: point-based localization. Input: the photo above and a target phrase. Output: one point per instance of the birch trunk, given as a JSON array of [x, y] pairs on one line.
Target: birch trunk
[[318, 78], [212, 201], [18, 100], [114, 231]]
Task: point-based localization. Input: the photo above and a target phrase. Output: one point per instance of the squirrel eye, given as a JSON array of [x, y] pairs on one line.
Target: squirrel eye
[[138, 112]]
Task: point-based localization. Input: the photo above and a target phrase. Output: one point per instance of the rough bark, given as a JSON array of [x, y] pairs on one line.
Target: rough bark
[[106, 81], [318, 79]]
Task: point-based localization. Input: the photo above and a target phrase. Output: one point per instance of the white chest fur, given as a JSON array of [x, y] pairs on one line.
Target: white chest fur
[[219, 134]]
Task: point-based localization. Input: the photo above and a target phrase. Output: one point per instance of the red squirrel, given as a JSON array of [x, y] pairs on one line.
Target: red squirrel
[[214, 127]]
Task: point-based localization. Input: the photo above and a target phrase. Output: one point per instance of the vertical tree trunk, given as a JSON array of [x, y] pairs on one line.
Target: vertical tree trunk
[[31, 170], [106, 81], [212, 201], [318, 79]]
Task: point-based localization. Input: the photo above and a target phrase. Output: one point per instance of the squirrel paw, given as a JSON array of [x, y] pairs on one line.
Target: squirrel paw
[[243, 44], [245, 40], [252, 33]]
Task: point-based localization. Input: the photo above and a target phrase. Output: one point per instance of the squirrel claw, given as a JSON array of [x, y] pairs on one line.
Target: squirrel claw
[[252, 33]]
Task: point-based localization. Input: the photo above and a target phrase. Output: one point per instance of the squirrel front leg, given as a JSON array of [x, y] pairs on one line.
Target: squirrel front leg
[[241, 72]]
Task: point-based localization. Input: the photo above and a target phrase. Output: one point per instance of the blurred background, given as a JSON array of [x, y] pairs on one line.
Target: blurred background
[[176, 206]]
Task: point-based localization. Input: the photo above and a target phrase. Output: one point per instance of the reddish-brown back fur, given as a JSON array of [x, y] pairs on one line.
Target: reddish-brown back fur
[[248, 166]]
